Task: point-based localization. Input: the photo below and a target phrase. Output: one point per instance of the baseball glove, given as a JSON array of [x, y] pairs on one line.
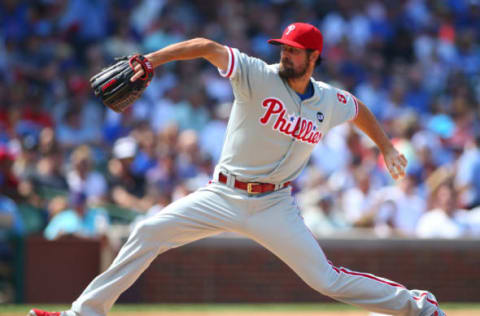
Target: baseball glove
[[113, 84]]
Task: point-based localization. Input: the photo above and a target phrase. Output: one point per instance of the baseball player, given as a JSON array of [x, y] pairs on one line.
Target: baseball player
[[280, 112]]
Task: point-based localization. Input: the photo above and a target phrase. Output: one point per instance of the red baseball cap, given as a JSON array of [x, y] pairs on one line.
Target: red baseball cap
[[300, 35]]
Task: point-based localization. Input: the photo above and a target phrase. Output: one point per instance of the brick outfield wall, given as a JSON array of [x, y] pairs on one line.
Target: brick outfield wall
[[239, 270], [57, 272]]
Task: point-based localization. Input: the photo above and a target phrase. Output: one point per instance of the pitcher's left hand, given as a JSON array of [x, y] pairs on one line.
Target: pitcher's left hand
[[395, 162]]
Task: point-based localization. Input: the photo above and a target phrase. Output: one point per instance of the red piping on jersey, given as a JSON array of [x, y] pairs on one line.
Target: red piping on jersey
[[356, 106], [232, 64], [428, 300], [370, 276]]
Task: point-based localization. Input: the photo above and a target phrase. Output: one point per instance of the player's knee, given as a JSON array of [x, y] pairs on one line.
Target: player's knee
[[323, 283], [147, 229], [322, 288], [139, 231]]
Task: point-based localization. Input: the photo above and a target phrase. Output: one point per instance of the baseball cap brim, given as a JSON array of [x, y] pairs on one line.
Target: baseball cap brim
[[280, 41]]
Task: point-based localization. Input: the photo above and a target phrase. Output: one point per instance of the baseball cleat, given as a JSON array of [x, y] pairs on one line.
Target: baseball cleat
[[432, 299], [439, 312], [39, 312]]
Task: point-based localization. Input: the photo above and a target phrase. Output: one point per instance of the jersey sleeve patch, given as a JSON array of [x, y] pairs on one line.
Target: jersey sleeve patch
[[232, 64], [345, 107]]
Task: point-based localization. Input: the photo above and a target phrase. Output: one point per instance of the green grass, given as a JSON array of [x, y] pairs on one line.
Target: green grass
[[458, 306], [324, 307]]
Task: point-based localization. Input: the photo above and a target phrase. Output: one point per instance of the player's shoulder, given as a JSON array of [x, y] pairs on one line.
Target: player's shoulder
[[328, 91], [254, 62], [266, 68], [326, 87], [273, 68]]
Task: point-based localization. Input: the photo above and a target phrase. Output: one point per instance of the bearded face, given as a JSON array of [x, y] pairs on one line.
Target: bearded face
[[293, 63]]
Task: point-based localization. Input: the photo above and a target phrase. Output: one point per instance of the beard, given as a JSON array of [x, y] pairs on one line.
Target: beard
[[288, 71]]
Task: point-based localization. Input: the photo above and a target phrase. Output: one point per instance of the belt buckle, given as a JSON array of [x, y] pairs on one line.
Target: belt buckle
[[250, 187]]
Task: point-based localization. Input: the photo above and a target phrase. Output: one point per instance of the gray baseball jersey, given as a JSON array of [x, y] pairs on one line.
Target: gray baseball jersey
[[270, 136], [272, 132]]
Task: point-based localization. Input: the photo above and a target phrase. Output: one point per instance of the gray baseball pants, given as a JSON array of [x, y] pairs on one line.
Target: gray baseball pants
[[273, 220]]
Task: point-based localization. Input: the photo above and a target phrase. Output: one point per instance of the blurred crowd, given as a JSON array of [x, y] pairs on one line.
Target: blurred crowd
[[70, 166]]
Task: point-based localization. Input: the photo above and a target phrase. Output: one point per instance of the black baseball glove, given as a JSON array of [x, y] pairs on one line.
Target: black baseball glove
[[113, 84]]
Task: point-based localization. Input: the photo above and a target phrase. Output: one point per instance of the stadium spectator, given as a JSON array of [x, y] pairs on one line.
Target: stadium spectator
[[467, 179], [192, 114], [215, 130], [358, 200], [11, 225], [80, 220], [145, 157], [126, 188], [401, 207], [48, 173], [164, 176], [163, 113], [11, 222], [80, 119], [323, 217], [83, 178], [444, 219], [8, 181]]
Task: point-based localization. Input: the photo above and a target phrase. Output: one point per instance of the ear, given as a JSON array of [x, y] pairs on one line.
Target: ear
[[314, 56]]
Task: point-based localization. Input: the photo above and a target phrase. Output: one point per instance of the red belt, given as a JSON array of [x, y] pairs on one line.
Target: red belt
[[252, 187]]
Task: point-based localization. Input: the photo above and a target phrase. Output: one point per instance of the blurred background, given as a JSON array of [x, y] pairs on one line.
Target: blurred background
[[73, 171]]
